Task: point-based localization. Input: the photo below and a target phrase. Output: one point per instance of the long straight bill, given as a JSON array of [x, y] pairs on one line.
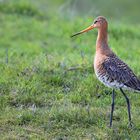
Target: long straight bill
[[83, 31]]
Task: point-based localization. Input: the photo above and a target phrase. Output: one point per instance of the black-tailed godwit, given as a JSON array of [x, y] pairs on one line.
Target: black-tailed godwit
[[109, 69]]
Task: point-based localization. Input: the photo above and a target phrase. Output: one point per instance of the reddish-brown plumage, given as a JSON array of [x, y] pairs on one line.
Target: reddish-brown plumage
[[109, 69], [102, 49]]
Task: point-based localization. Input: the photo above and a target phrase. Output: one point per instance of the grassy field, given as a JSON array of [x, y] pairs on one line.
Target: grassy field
[[48, 89]]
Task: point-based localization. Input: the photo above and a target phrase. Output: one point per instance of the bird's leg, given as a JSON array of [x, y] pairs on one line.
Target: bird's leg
[[128, 106], [112, 107]]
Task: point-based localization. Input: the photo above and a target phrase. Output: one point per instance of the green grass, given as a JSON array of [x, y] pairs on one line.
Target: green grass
[[48, 89]]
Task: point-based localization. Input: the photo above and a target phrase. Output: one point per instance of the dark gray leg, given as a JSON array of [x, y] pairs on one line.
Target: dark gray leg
[[112, 107], [128, 106]]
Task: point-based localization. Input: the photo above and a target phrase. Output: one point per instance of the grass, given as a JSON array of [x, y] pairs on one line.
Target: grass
[[48, 89]]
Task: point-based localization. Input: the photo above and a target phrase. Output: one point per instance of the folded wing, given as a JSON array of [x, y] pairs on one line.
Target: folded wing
[[120, 72]]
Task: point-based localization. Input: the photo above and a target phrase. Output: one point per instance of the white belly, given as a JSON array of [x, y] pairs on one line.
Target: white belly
[[110, 83]]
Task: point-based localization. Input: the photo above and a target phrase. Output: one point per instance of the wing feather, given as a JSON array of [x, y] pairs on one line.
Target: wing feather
[[119, 71]]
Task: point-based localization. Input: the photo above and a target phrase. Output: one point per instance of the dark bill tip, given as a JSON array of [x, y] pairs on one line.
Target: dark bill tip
[[75, 34]]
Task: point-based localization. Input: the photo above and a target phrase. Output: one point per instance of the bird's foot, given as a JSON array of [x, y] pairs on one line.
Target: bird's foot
[[109, 125], [131, 124]]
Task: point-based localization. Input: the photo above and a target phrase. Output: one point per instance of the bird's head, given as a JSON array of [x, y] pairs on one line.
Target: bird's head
[[99, 22]]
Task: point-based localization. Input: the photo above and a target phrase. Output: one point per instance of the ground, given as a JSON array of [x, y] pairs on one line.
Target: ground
[[48, 89]]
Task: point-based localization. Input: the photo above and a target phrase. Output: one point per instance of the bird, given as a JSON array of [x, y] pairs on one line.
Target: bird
[[109, 68]]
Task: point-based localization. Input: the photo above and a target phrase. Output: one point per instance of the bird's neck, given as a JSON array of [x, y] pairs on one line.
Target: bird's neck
[[102, 41]]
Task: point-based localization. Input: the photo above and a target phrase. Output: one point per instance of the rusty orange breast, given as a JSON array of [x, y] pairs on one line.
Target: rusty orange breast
[[98, 60]]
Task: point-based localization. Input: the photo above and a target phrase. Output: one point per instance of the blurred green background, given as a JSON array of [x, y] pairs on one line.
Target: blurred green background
[[126, 10], [48, 89]]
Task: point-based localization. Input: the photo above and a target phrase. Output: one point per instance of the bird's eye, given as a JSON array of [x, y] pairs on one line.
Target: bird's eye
[[95, 22]]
